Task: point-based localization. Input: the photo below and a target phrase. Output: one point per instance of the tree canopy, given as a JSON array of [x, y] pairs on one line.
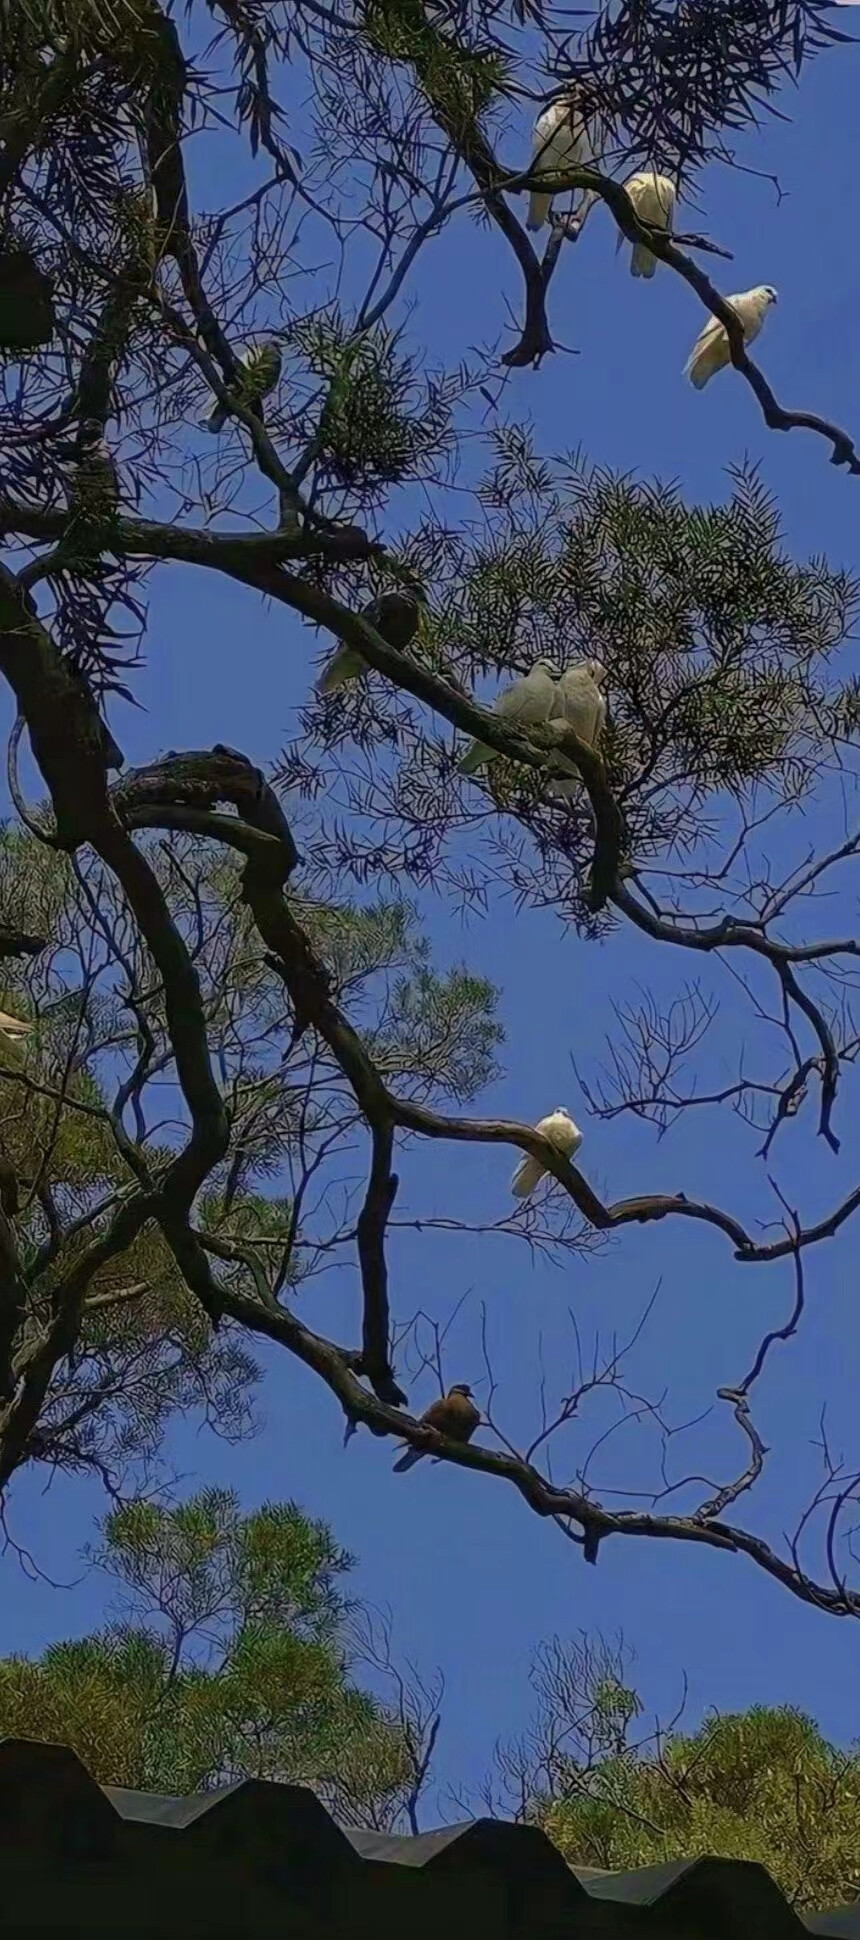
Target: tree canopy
[[237, 942], [230, 1657], [615, 1792]]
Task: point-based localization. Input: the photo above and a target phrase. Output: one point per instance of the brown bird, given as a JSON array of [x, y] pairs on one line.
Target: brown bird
[[454, 1415], [395, 616]]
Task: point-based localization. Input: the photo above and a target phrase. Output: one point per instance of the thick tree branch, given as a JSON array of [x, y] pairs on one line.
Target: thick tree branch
[[308, 984], [334, 1366], [235, 553]]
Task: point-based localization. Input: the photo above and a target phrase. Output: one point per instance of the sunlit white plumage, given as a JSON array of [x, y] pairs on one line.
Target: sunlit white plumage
[[710, 351], [559, 1129], [579, 702], [524, 703], [564, 137], [653, 198]]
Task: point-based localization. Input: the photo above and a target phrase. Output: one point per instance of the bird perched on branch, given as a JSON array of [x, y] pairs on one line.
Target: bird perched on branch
[[395, 616], [710, 351], [259, 370], [559, 1130], [564, 137], [579, 702], [523, 704], [653, 198], [454, 1415]]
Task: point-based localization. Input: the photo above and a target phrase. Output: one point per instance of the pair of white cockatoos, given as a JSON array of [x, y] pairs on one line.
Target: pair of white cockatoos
[[566, 137], [542, 696], [559, 1130]]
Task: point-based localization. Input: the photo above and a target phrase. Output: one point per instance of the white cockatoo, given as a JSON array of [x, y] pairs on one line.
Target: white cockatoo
[[395, 616], [559, 1129], [653, 198], [13, 1026], [259, 370], [523, 704], [564, 137], [710, 351], [579, 702]]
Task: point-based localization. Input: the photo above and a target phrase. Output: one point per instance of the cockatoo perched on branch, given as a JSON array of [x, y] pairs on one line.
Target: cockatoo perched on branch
[[395, 616], [521, 705], [710, 351], [259, 370], [653, 198], [579, 702], [564, 137], [560, 1131]]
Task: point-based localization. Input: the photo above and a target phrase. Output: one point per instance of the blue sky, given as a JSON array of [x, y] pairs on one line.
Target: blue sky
[[474, 1581]]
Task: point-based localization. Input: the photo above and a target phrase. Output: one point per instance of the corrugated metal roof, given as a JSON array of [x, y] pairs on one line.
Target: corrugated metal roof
[[640, 1888], [483, 1842], [155, 1808], [260, 1851]]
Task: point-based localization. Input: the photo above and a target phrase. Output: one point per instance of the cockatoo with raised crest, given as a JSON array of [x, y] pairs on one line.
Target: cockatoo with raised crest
[[710, 351], [523, 704], [559, 1130]]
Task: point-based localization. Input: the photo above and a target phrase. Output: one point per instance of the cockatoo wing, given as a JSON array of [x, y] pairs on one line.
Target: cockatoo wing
[[345, 665], [527, 701], [561, 139], [579, 702], [560, 789], [528, 1174], [710, 352], [216, 418], [653, 198], [752, 308]]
